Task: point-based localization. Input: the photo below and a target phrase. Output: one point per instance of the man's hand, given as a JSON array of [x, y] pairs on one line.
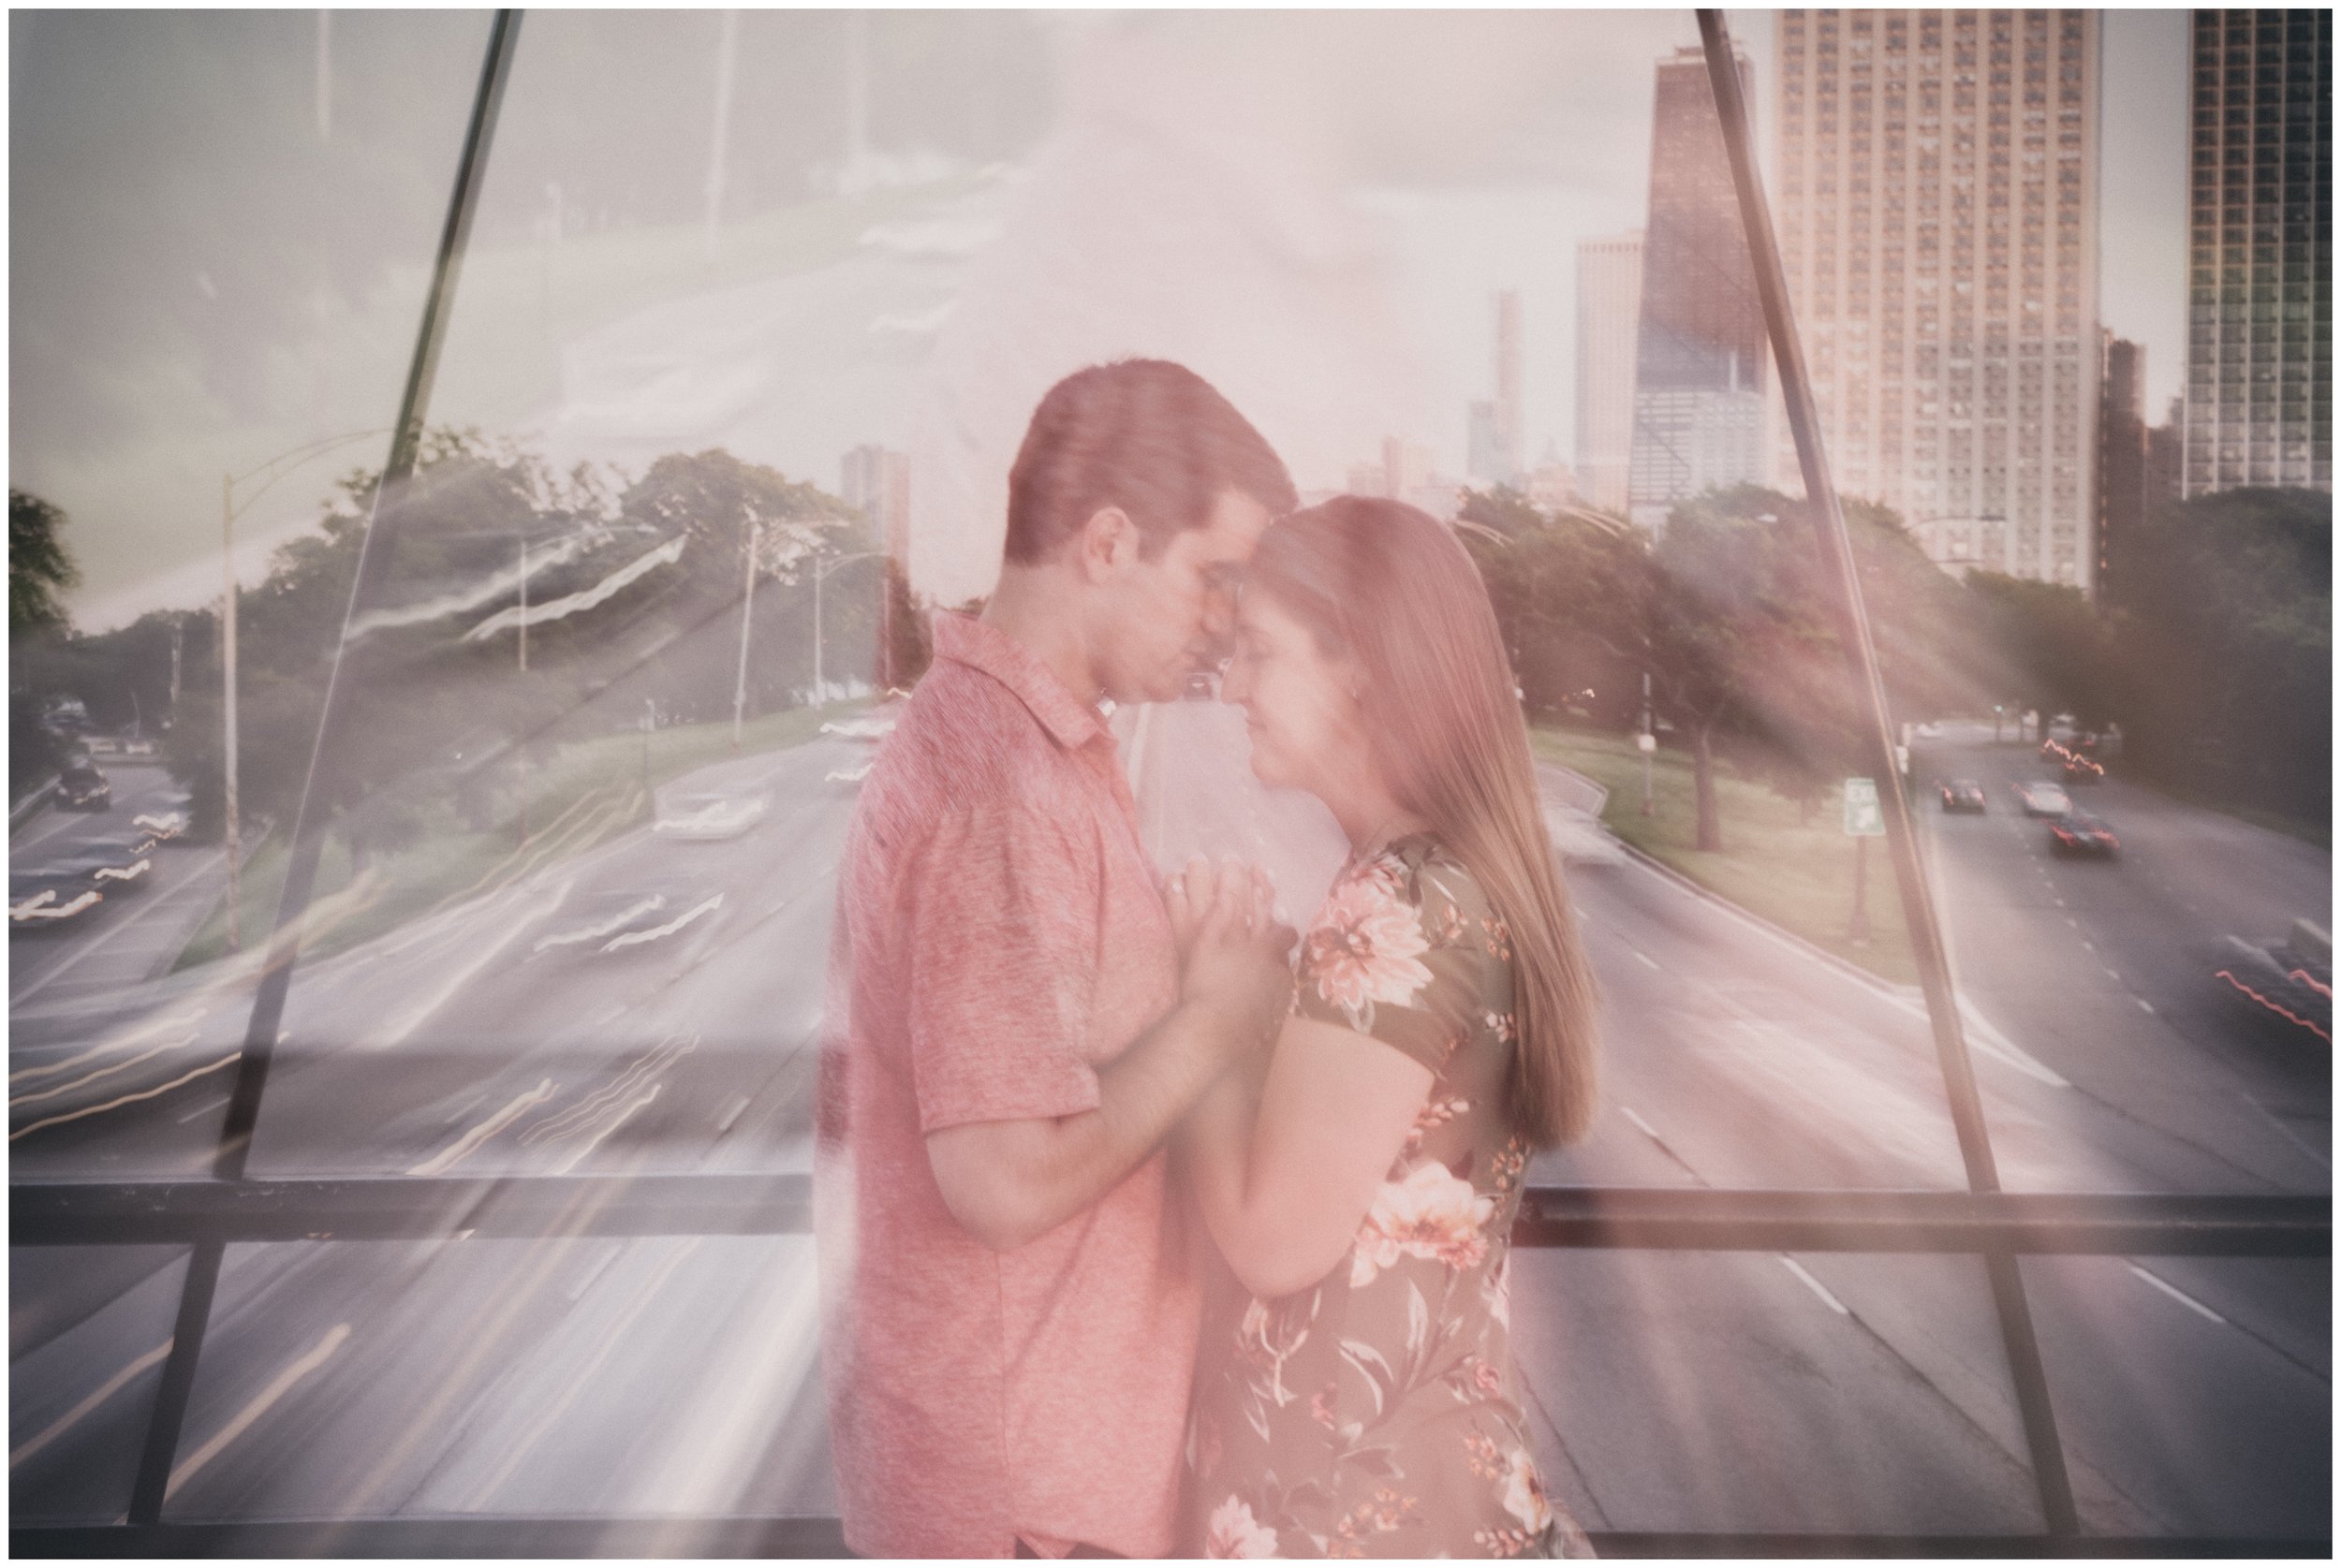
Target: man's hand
[[1233, 952]]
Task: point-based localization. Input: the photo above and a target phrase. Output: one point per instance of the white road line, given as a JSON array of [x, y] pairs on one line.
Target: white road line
[[1815, 1287], [204, 1109], [2111, 973], [1646, 959], [318, 1354], [1648, 1131], [2070, 921], [2176, 1294], [2277, 1123], [2145, 1006], [111, 1387], [2086, 942]]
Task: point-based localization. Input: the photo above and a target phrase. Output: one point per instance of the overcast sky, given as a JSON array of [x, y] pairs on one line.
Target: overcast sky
[[220, 224]]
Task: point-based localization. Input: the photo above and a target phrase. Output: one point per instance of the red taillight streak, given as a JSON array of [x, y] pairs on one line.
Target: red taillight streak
[[2279, 1010]]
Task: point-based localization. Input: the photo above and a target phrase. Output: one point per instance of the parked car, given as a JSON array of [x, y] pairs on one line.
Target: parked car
[[2042, 798], [2290, 980], [2079, 833], [80, 787], [1963, 795]]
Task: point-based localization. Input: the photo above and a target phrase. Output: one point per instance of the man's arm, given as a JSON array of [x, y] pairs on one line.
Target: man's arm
[[1010, 1181]]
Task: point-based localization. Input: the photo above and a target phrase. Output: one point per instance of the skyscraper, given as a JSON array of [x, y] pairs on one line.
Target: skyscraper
[[877, 482], [1510, 435], [1484, 449], [1939, 211], [1698, 374], [1609, 324], [2259, 313], [2121, 459]]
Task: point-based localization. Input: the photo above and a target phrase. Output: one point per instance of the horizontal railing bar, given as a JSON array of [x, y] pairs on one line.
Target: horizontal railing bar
[[574, 1537], [699, 1203]]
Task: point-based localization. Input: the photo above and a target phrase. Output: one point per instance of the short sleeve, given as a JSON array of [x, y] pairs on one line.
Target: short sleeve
[[1408, 955], [1004, 944]]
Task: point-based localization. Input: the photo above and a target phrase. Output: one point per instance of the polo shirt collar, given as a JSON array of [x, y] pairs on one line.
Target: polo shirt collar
[[967, 641]]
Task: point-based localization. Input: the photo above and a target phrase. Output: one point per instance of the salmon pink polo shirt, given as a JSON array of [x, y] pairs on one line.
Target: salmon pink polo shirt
[[999, 937]]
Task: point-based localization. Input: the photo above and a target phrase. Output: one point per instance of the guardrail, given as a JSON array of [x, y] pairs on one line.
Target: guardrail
[[391, 1209]]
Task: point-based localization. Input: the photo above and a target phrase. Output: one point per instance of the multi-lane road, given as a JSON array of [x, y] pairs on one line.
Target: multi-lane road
[[1738, 1391]]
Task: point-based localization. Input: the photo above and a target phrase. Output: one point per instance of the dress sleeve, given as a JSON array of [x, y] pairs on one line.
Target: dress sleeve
[[1408, 957], [1003, 927]]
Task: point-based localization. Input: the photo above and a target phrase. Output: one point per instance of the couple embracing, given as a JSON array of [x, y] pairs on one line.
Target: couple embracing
[[1144, 1230]]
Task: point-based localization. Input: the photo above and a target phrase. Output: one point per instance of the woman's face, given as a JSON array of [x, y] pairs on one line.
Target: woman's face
[[1297, 700]]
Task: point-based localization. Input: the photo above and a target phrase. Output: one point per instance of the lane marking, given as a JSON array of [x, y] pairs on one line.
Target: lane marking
[[2176, 1294], [111, 1387], [127, 1099], [1648, 1131], [1648, 958], [2086, 942], [318, 1354], [1816, 1286], [469, 1144], [2145, 1006], [2277, 1123], [2111, 973]]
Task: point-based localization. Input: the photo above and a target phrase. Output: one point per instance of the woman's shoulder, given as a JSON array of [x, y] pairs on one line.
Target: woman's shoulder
[[1454, 909]]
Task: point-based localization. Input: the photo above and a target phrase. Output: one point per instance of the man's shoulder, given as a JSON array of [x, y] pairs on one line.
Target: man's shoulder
[[965, 742]]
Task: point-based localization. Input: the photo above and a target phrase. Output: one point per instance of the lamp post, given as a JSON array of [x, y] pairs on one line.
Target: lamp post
[[275, 469], [747, 606], [1647, 743], [822, 570]]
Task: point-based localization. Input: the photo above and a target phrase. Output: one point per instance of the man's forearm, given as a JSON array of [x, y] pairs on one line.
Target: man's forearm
[[1010, 1181]]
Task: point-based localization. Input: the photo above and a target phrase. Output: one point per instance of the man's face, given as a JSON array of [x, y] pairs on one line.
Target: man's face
[[1168, 617]]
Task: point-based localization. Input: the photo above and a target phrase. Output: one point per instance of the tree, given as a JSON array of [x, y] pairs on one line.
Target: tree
[[39, 566]]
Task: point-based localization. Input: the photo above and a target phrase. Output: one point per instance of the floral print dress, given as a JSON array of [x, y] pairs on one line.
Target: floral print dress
[[1377, 1413]]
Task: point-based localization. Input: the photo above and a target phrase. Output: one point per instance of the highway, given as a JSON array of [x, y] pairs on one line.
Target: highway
[[1743, 1391]]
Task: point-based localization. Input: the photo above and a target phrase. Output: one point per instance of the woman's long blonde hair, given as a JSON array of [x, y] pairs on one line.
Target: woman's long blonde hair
[[1391, 587]]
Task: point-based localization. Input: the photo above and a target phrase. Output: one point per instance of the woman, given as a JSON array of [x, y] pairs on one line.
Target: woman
[[1359, 1396]]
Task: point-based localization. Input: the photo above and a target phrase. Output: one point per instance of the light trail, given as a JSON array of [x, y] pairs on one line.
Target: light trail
[[471, 1142], [85, 1078], [107, 1390], [318, 1355], [127, 1099], [2176, 1294], [120, 1042]]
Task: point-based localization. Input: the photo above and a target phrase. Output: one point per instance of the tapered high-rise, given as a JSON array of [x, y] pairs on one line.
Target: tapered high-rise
[[2260, 311], [1699, 360], [1938, 223]]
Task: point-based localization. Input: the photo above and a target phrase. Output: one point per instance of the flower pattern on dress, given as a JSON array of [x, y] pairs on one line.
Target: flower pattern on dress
[[1432, 1213], [1366, 945], [1377, 1413], [1235, 1533]]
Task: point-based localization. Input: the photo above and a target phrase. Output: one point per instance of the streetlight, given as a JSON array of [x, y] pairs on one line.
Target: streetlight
[[282, 464], [822, 570]]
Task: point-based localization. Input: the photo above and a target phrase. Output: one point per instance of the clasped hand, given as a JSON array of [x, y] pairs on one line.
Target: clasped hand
[[1233, 952]]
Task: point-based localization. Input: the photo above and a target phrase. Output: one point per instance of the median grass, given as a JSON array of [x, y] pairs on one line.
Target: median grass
[[1798, 875], [587, 793]]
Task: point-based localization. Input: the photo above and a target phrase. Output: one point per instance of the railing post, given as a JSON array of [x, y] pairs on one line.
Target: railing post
[[375, 554], [1918, 905]]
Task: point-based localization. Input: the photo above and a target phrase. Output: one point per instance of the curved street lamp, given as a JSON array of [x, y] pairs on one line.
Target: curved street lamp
[[275, 469]]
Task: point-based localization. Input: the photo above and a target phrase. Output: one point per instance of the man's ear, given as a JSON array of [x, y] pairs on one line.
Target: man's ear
[[1107, 542]]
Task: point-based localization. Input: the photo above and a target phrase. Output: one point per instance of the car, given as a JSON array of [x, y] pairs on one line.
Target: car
[[2079, 833], [708, 817], [615, 920], [1963, 795], [2290, 980], [80, 787], [2042, 798], [49, 900]]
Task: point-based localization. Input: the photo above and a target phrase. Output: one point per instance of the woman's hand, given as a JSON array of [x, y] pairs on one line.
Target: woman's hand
[[1232, 951]]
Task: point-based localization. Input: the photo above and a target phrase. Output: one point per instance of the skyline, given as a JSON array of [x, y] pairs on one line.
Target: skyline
[[1377, 186]]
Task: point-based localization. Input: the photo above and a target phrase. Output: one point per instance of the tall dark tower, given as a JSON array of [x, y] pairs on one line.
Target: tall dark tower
[[1699, 376], [2259, 313]]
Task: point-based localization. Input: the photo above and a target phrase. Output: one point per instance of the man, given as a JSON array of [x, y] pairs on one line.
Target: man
[[1011, 1318]]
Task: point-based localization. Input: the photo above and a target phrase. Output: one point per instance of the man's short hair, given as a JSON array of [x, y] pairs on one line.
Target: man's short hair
[[1146, 435]]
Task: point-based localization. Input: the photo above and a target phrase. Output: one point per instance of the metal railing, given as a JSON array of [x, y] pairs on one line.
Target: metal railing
[[1998, 1227], [356, 1209]]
